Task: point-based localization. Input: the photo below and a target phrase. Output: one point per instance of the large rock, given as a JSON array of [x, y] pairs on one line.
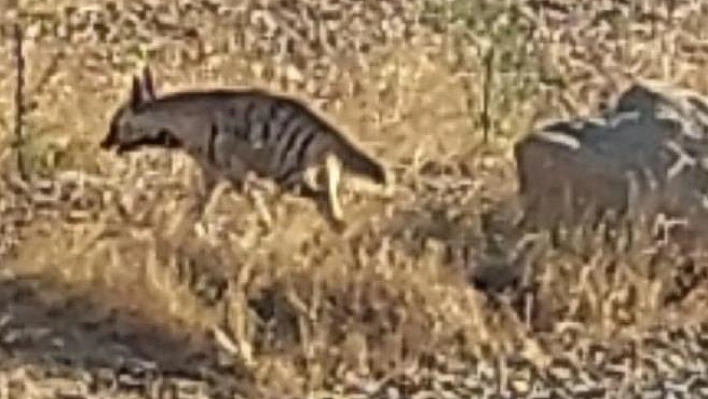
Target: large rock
[[648, 153]]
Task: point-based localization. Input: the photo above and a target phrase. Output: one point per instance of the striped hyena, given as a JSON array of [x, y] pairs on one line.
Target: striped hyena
[[231, 133]]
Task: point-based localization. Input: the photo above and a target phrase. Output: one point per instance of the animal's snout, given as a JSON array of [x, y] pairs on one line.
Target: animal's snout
[[105, 144]]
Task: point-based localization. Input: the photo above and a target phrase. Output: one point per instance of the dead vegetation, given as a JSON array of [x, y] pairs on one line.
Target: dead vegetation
[[97, 250]]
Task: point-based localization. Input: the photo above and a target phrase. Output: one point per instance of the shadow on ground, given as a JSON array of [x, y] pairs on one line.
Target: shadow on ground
[[47, 325]]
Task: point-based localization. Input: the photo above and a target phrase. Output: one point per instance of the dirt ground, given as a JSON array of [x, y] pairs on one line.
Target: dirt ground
[[108, 290]]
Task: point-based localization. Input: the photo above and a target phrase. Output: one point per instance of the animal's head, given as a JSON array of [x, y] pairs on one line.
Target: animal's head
[[132, 125]]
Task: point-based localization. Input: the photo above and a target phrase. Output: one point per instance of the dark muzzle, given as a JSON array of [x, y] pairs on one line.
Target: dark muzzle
[[110, 141], [106, 144]]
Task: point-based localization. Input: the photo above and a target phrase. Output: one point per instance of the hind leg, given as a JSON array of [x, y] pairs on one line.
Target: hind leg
[[320, 183], [333, 176], [302, 183], [326, 177]]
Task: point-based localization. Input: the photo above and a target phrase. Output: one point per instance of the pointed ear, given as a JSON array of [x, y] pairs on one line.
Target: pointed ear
[[148, 83], [136, 96]]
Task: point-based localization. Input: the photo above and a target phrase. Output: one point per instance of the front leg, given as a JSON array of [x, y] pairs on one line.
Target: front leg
[[237, 174], [207, 182], [198, 202]]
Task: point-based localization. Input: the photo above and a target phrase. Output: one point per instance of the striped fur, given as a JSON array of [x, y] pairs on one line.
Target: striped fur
[[233, 132]]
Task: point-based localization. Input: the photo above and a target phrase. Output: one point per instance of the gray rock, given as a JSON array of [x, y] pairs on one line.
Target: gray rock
[[647, 154]]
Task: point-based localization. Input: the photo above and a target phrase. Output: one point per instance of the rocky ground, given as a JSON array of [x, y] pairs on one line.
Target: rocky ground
[[106, 291], [668, 362]]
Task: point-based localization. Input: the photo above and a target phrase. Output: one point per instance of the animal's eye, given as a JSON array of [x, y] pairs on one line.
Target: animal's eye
[[166, 138]]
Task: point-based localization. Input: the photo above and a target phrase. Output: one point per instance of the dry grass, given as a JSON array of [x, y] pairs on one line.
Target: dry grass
[[300, 305]]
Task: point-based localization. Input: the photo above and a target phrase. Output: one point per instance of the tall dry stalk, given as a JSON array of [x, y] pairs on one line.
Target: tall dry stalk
[[488, 70], [19, 101]]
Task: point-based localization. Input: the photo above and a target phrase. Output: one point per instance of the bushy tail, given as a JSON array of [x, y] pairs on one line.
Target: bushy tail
[[360, 162]]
